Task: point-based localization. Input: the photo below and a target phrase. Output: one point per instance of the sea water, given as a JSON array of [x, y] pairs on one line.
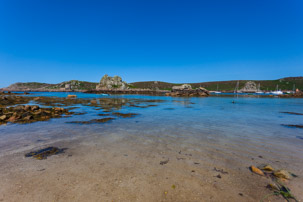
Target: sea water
[[250, 121]]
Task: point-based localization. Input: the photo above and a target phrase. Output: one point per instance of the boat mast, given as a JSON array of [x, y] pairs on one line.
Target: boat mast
[[237, 87]]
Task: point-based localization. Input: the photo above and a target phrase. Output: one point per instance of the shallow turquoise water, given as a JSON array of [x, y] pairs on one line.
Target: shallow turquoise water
[[249, 124]]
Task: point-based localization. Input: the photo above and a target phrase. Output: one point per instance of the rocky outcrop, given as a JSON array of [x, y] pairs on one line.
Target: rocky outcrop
[[30, 113], [188, 92], [110, 83], [182, 87], [250, 87]]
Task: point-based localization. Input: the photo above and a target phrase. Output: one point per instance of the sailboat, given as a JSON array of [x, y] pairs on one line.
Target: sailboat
[[293, 90], [277, 91], [258, 90], [217, 92], [237, 88]]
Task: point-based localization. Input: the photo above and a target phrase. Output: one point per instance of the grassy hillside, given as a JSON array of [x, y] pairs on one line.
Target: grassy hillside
[[284, 84], [75, 85]]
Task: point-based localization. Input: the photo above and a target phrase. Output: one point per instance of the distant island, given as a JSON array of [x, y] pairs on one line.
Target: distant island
[[116, 83]]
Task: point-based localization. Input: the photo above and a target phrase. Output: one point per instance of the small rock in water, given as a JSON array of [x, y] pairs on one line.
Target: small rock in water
[[256, 170], [282, 174], [71, 96]]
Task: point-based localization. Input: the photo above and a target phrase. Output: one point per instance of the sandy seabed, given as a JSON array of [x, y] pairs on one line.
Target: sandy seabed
[[148, 168]]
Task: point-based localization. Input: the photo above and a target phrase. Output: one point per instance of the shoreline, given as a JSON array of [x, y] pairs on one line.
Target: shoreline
[[151, 93]]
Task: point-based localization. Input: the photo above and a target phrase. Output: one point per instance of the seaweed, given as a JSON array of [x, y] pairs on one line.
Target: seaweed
[[92, 121], [220, 171], [44, 153], [125, 115], [293, 113], [293, 125], [164, 162], [169, 108]]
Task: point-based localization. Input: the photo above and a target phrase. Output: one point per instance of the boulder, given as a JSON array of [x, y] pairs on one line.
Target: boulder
[[250, 87], [182, 87], [27, 107], [188, 92], [34, 107], [109, 83], [3, 117]]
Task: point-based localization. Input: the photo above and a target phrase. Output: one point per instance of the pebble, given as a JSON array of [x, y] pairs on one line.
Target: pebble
[[256, 170]]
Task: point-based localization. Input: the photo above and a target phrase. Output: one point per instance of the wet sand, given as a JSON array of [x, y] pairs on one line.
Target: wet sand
[[111, 167]]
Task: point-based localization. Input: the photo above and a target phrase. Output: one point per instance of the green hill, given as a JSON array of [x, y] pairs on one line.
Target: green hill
[[284, 84]]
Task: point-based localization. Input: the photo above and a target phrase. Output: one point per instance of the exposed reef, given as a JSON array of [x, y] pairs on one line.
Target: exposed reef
[[30, 114], [187, 91]]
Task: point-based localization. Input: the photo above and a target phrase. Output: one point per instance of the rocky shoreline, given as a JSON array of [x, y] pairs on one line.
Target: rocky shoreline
[[115, 85]]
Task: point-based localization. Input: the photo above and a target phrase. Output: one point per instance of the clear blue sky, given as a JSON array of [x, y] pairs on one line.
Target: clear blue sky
[[168, 40]]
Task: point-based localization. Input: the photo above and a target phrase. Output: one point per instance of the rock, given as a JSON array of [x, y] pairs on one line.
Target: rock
[[27, 107], [29, 117], [267, 168], [93, 102], [186, 91], [282, 174], [12, 119], [256, 170], [35, 107], [19, 108], [182, 87], [71, 96], [250, 87], [3, 117], [109, 83], [58, 109]]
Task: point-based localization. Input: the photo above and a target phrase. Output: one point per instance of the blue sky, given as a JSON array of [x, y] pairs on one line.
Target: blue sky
[[174, 41]]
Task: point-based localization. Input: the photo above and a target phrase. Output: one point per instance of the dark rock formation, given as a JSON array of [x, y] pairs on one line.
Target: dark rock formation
[[30, 113], [187, 92]]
